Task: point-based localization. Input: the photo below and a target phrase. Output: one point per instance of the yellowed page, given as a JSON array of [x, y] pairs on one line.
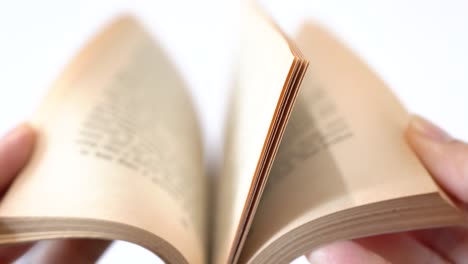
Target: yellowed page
[[265, 62], [118, 141], [343, 147]]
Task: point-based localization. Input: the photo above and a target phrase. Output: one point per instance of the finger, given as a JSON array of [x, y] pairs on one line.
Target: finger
[[445, 158], [344, 252], [10, 253], [71, 251], [393, 248], [15, 149], [401, 248], [450, 242]]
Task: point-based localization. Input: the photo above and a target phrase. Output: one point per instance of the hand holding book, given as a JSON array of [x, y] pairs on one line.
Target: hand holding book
[[446, 159], [118, 155], [15, 151]]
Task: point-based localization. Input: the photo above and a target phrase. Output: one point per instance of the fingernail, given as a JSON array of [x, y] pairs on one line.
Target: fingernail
[[429, 130]]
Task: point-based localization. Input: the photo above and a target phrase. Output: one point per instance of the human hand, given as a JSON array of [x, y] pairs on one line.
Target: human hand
[[447, 161], [15, 151]]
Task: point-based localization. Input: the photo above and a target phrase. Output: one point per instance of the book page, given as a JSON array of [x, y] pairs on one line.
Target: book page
[[343, 147], [265, 63], [118, 141]]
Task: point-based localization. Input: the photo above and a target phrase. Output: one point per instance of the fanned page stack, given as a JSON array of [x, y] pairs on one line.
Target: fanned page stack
[[119, 155]]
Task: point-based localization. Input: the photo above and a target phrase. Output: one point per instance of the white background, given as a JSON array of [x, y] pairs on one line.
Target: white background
[[420, 48]]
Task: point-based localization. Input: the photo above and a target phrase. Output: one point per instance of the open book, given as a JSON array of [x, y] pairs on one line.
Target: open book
[[314, 153]]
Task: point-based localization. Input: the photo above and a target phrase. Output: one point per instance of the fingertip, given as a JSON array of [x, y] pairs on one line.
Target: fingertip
[[16, 148], [19, 143], [23, 133], [420, 127], [425, 139], [444, 157]]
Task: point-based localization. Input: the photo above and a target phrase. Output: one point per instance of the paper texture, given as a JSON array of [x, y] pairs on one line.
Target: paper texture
[[118, 141], [344, 146], [265, 62]]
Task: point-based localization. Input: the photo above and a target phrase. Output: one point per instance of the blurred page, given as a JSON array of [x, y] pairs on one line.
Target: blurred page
[[343, 147], [118, 141], [265, 62]]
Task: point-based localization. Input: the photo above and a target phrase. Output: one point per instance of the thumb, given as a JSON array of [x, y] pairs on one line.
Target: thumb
[[15, 149], [444, 157]]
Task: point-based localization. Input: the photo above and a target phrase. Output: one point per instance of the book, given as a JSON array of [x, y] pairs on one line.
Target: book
[[315, 152]]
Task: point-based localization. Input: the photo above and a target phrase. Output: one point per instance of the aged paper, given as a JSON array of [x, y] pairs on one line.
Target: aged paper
[[118, 141], [344, 146], [265, 62]]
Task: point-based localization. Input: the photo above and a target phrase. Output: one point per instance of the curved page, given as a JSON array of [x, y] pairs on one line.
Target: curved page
[[118, 156], [343, 168]]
